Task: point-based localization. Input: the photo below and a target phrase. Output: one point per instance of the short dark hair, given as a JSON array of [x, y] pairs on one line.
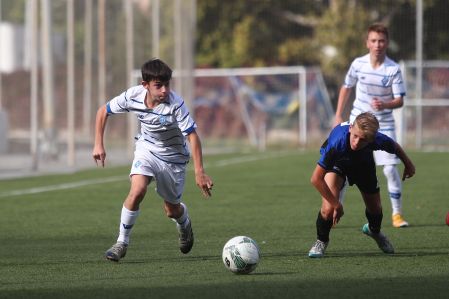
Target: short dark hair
[[156, 69], [379, 28]]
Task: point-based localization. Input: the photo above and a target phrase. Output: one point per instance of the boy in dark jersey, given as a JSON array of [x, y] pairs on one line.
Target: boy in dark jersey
[[348, 155]]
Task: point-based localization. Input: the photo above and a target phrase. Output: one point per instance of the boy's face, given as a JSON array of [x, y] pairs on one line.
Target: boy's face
[[158, 90], [377, 44], [357, 138]]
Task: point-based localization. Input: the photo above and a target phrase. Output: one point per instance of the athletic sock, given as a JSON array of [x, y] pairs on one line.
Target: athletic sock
[[394, 188], [374, 221], [184, 220], [396, 202], [127, 220], [323, 228]]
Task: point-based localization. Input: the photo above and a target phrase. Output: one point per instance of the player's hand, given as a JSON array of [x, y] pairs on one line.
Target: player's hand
[[204, 182], [99, 154], [377, 104], [409, 171], [337, 120], [338, 213]]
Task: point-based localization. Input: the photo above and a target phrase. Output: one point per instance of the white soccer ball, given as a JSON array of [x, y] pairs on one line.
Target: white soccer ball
[[241, 255]]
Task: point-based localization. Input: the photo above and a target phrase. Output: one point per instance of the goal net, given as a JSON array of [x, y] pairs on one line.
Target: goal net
[[278, 107]]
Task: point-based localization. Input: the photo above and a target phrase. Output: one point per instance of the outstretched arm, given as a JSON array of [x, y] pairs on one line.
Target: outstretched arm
[[203, 181], [409, 168], [99, 153]]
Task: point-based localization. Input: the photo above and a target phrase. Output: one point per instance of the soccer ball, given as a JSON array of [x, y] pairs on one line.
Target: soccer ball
[[241, 255]]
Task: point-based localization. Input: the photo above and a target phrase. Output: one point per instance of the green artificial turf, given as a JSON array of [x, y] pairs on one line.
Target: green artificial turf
[[52, 240]]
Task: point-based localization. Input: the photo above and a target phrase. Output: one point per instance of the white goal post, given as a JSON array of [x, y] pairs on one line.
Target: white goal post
[[265, 97]]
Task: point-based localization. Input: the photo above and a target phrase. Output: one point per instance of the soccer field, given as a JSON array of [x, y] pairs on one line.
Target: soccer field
[[55, 229]]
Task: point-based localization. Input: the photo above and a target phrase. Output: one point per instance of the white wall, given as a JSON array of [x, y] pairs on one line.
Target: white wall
[[11, 47], [14, 48]]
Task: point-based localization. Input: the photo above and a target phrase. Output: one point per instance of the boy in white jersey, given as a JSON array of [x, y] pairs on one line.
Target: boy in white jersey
[[161, 152], [379, 89]]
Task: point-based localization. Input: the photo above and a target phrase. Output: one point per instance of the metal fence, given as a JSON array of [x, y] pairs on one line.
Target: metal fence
[[424, 120], [51, 87]]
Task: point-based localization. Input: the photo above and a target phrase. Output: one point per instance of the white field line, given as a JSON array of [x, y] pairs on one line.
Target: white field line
[[240, 160], [221, 163], [61, 186]]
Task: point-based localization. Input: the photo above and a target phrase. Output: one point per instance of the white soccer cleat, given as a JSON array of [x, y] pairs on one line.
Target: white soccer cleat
[[318, 249], [381, 240], [116, 252]]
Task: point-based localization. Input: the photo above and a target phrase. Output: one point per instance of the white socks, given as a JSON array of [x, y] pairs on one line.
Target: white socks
[[127, 220], [394, 188], [184, 219]]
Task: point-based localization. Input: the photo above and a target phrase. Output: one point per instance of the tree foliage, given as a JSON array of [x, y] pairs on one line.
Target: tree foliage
[[236, 33], [326, 33], [254, 33]]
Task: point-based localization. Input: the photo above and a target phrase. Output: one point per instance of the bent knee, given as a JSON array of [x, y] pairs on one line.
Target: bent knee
[[327, 213]]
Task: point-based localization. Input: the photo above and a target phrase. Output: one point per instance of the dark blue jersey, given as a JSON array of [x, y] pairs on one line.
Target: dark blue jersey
[[337, 148]]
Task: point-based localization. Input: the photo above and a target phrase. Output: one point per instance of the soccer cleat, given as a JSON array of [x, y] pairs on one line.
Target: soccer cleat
[[318, 249], [116, 252], [398, 221], [381, 240], [185, 238]]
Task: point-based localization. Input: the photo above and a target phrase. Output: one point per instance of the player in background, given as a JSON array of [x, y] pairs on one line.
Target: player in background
[[161, 152], [379, 89], [347, 155]]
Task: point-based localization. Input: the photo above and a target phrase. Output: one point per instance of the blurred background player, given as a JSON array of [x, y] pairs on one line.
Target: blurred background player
[[161, 152], [348, 155], [379, 89]]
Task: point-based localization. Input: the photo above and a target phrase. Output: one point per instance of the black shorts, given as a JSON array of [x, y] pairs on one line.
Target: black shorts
[[360, 170]]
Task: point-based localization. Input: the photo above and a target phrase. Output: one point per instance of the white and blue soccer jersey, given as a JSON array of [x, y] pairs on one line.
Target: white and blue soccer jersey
[[384, 83], [163, 129]]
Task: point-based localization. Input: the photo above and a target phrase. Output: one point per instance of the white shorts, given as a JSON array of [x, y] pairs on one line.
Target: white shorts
[[384, 158], [169, 177]]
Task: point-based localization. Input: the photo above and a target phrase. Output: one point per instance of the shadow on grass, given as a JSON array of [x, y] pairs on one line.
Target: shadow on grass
[[349, 254], [194, 259], [248, 286], [382, 255], [411, 226]]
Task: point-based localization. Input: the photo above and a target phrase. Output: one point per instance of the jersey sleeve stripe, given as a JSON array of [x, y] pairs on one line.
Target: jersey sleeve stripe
[[182, 104], [190, 130], [108, 109], [185, 116]]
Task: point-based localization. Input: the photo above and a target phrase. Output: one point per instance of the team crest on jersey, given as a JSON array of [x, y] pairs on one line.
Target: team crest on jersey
[[137, 164], [163, 120], [385, 80]]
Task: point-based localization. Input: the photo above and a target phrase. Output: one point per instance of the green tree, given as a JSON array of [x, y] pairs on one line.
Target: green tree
[[255, 33], [340, 34]]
